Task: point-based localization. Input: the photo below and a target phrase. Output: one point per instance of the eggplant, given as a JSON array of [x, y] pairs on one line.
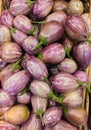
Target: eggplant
[[64, 82], [42, 8], [52, 116], [53, 53], [16, 82], [82, 54]]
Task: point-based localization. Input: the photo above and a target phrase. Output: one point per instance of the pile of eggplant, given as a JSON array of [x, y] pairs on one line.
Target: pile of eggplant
[[45, 48]]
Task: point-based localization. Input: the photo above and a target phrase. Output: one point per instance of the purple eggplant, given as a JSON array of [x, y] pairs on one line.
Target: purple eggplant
[[7, 126], [23, 23], [64, 82], [82, 54], [86, 17], [40, 88], [68, 44], [42, 8], [39, 106], [58, 16], [52, 116], [76, 27], [72, 99], [61, 125], [6, 18], [10, 69], [29, 44], [53, 53], [6, 100], [67, 65], [50, 32], [10, 52], [16, 82], [18, 7], [26, 57], [81, 75], [24, 98], [33, 123], [37, 68], [18, 36]]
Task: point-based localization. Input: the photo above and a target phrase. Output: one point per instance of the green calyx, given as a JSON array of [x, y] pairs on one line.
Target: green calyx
[[85, 85], [12, 30], [64, 109], [16, 65], [55, 97], [40, 114], [43, 41], [33, 31], [40, 56], [67, 52], [88, 39], [24, 91], [38, 22], [30, 2]]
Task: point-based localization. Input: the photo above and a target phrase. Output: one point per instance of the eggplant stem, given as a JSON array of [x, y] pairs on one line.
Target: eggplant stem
[[86, 85], [40, 56], [67, 52], [43, 41], [65, 111], [46, 80], [12, 30], [40, 44], [39, 22], [40, 114], [23, 91], [15, 66], [29, 2], [55, 98]]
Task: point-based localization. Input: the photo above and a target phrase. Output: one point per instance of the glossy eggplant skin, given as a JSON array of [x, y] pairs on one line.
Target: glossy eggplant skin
[[18, 7], [6, 100], [24, 26], [40, 88], [76, 116], [16, 82], [42, 8], [59, 16], [52, 31], [64, 82], [33, 123], [53, 53], [7, 126], [61, 125], [10, 52], [36, 68], [82, 54], [67, 65], [6, 18], [73, 99], [39, 103], [76, 27], [52, 116]]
